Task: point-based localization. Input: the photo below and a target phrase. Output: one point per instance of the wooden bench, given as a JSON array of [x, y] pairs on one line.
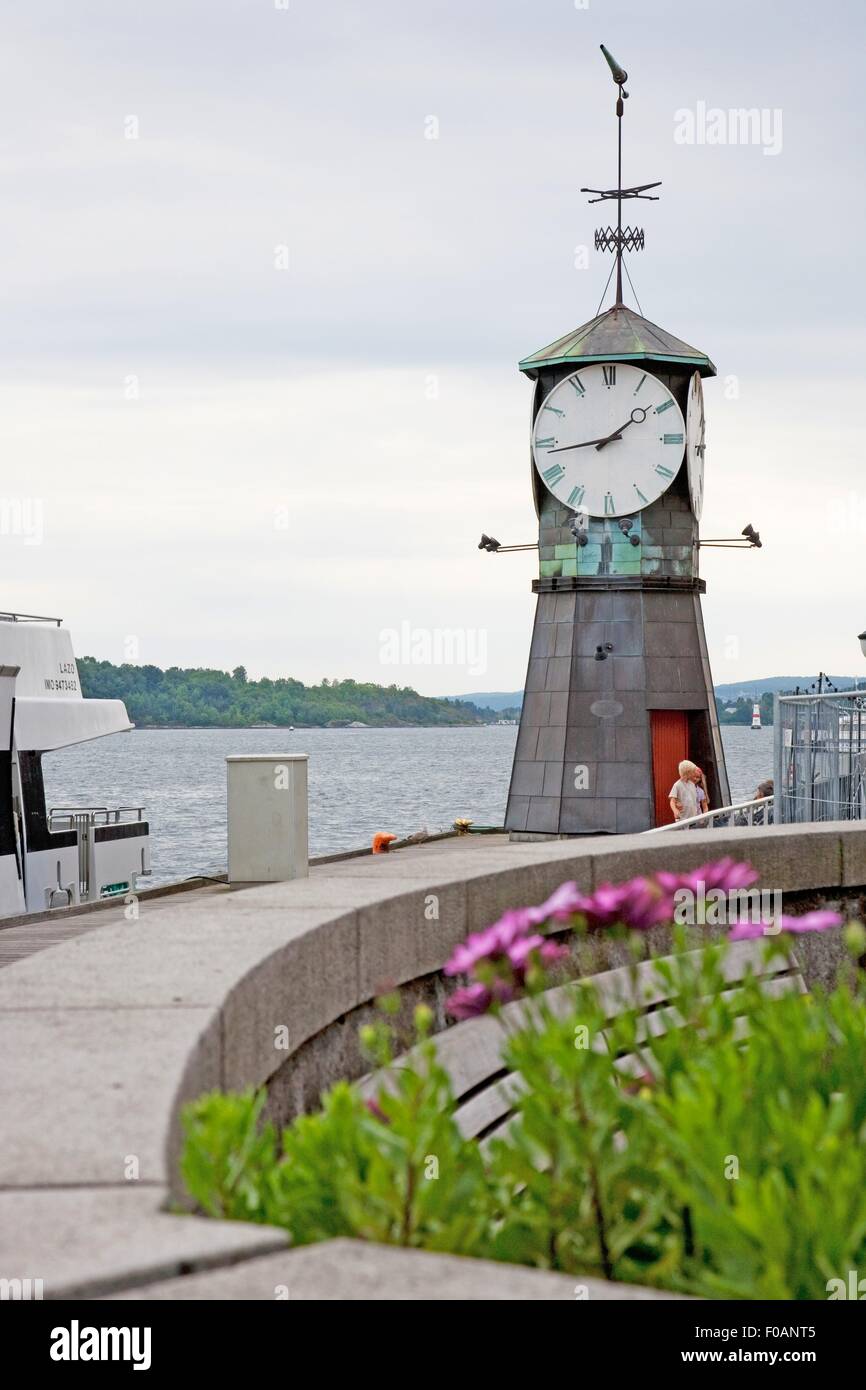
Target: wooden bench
[[471, 1052]]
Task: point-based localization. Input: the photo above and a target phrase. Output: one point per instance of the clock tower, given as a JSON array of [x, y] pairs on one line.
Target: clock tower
[[618, 688]]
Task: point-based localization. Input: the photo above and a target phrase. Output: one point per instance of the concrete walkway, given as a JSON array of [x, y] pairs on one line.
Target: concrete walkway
[[40, 933]]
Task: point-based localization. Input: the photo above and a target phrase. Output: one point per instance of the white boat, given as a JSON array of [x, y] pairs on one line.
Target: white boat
[[62, 855], [756, 716]]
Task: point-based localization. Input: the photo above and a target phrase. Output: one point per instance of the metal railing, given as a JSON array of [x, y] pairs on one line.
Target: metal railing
[[84, 821], [68, 817], [741, 815], [28, 618], [820, 757]]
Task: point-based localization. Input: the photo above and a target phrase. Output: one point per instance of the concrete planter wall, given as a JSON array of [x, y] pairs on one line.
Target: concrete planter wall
[[105, 1038]]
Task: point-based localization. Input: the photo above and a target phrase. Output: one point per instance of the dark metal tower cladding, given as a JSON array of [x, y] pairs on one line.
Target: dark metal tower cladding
[[618, 688]]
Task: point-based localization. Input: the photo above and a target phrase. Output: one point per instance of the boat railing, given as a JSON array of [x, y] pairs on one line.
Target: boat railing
[[69, 817], [85, 821], [741, 815], [29, 618]]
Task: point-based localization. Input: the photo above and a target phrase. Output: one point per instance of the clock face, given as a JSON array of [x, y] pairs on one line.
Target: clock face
[[696, 447], [608, 440]]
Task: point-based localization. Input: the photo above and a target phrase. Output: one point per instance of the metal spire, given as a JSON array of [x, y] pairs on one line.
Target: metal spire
[[619, 239]]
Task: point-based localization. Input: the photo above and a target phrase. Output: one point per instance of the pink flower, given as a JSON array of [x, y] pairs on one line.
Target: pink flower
[[564, 902], [549, 952], [499, 958], [638, 904], [725, 873], [603, 907], [470, 1002], [748, 931], [490, 944], [810, 921]]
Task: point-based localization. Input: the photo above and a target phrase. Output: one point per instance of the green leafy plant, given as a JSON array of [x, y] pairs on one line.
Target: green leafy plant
[[395, 1169], [716, 1146], [228, 1155]]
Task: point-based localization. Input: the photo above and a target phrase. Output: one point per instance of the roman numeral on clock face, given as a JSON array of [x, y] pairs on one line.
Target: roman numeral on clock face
[[575, 497], [553, 410], [672, 438], [665, 405], [663, 472], [609, 505], [609, 376], [578, 385], [547, 443], [553, 475]]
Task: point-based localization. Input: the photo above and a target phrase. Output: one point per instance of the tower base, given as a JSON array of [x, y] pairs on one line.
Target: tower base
[[600, 739]]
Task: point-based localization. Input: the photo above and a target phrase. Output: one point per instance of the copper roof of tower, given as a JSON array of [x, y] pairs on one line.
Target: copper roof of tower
[[617, 335]]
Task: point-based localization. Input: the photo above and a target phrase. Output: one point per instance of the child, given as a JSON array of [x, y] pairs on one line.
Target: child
[[701, 791], [683, 794]]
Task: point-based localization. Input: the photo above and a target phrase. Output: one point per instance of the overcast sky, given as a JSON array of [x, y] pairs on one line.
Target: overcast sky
[[258, 363]]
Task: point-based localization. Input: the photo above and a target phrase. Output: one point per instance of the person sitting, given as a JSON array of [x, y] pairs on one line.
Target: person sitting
[[763, 815], [760, 815]]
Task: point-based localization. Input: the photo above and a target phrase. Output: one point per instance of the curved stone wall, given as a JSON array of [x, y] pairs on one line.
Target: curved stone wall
[[104, 1038]]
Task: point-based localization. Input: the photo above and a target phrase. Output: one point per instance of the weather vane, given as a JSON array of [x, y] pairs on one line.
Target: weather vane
[[619, 239]]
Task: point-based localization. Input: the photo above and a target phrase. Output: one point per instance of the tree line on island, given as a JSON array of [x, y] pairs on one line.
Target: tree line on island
[[740, 711], [202, 698]]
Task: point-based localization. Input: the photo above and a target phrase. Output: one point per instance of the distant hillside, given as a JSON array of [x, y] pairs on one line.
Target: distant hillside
[[728, 694], [204, 698], [774, 685], [495, 700]]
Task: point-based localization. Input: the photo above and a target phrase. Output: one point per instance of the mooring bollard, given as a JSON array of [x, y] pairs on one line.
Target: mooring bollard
[[267, 817]]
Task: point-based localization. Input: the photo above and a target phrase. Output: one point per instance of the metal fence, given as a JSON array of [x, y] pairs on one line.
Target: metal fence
[[820, 763], [741, 815]]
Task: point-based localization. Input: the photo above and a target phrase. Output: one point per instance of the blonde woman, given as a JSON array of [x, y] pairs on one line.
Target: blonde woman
[[683, 796], [702, 791]]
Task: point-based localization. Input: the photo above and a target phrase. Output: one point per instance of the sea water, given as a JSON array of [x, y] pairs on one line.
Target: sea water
[[361, 781]]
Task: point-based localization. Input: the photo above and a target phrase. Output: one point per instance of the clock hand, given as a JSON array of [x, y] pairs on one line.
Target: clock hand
[[637, 417], [561, 449]]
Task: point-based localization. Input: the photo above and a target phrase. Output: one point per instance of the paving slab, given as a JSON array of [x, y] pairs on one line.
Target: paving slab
[[84, 1092], [83, 1243], [184, 954], [355, 1271]]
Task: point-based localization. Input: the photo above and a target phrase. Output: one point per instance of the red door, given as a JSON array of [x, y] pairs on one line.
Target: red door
[[670, 740]]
